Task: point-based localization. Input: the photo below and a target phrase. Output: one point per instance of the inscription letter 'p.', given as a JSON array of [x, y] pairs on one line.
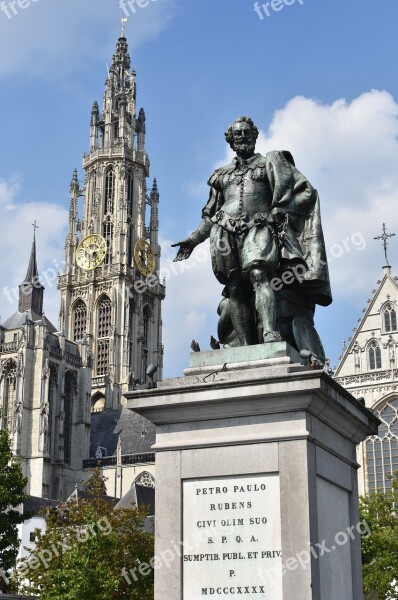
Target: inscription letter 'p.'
[[267, 247]]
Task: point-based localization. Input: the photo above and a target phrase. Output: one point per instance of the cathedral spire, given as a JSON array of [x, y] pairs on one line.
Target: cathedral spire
[[115, 125], [31, 291], [32, 267]]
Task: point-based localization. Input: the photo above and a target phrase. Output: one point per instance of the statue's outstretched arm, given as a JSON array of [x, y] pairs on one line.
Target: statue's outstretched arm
[[197, 237], [202, 232]]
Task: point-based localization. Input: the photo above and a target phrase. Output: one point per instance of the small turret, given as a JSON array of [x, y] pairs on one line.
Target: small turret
[[31, 291], [94, 126]]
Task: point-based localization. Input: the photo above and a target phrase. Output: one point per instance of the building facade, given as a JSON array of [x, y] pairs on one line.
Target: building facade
[[112, 306], [368, 369], [61, 391], [45, 392]]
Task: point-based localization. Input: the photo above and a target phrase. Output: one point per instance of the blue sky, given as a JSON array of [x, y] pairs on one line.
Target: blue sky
[[318, 78]]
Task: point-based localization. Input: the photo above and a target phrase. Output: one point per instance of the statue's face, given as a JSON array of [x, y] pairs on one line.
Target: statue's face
[[244, 142]]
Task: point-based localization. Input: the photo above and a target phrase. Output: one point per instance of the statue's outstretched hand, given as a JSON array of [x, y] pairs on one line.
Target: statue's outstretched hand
[[185, 250]]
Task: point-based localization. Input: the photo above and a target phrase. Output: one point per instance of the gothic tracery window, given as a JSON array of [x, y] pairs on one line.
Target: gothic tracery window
[[104, 317], [145, 479], [102, 357], [10, 386], [52, 399], [70, 386], [108, 235], [374, 355], [389, 318], [97, 402], [79, 320], [104, 331], [382, 450], [109, 191]]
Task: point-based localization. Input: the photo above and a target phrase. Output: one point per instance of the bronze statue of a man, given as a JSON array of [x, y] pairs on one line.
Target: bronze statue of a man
[[266, 242]]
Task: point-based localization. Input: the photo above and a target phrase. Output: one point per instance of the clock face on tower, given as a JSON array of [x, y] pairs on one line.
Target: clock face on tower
[[144, 257], [91, 252]]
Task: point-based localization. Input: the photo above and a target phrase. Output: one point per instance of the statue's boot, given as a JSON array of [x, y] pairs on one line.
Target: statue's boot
[[272, 336]]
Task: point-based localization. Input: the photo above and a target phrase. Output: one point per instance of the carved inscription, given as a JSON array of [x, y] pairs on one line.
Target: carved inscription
[[232, 538]]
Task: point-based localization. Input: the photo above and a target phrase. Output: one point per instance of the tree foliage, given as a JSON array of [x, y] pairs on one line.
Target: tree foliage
[[12, 494], [380, 548], [85, 548]]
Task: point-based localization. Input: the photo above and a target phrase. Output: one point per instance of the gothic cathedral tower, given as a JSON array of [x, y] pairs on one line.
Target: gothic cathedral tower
[[115, 306]]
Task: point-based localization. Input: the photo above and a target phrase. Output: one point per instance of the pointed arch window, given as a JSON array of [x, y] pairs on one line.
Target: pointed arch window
[[102, 357], [10, 387], [389, 318], [98, 402], [382, 450], [79, 320], [104, 330], [108, 236], [52, 399], [145, 479], [70, 387], [109, 191], [104, 317], [374, 355]]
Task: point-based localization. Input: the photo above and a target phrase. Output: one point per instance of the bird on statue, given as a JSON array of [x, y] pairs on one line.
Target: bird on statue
[[195, 346], [215, 344]]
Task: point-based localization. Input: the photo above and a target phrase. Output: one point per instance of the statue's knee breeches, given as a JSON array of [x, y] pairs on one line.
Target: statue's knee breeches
[[258, 276]]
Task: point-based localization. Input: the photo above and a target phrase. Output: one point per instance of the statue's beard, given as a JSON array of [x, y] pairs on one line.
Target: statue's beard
[[244, 150]]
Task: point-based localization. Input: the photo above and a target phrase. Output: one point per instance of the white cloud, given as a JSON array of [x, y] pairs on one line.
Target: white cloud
[[349, 151], [189, 311], [55, 37], [16, 242]]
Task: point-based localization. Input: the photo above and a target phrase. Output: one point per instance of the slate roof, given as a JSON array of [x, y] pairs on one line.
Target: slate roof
[[138, 495], [32, 272], [34, 504], [82, 495], [18, 319], [107, 426]]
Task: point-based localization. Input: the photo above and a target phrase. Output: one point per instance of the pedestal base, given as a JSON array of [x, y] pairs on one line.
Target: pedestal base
[[256, 485]]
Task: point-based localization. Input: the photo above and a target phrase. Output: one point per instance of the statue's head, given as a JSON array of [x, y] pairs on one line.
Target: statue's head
[[241, 135]]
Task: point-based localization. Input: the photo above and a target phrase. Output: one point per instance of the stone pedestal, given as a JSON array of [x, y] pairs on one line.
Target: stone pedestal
[[256, 482]]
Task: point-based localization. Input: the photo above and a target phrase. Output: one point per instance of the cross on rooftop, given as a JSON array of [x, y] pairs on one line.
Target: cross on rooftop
[[385, 236], [35, 226]]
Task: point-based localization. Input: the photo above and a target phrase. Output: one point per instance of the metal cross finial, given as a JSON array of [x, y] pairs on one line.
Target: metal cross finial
[[124, 21], [35, 226], [385, 237]]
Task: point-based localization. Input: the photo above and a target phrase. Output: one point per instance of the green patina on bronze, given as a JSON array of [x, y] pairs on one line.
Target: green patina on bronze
[[267, 247]]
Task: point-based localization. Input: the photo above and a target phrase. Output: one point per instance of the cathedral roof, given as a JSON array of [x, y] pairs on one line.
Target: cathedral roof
[[34, 504], [137, 434], [138, 495], [18, 319], [387, 283], [82, 495]]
